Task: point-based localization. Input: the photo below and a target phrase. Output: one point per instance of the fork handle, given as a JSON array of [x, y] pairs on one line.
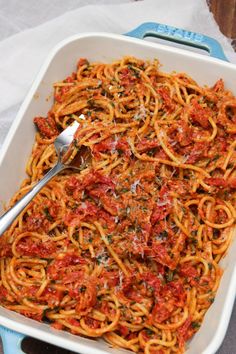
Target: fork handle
[[9, 216]]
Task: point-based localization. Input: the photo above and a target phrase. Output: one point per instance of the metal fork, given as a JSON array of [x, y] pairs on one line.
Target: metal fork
[[61, 144]]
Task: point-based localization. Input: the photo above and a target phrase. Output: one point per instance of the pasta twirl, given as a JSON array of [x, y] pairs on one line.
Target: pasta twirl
[[128, 247]]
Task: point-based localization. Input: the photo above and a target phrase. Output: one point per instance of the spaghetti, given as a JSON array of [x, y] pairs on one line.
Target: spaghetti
[[128, 247]]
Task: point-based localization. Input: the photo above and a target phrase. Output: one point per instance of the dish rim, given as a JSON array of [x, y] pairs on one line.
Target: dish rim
[[231, 291]]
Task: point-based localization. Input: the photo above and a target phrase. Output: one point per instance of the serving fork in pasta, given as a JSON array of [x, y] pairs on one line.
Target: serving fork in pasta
[[66, 154]]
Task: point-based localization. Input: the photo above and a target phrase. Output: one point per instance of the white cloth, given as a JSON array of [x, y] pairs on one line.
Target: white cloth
[[22, 54]]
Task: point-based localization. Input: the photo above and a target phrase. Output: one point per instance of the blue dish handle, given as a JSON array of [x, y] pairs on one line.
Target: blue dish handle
[[11, 341], [181, 36]]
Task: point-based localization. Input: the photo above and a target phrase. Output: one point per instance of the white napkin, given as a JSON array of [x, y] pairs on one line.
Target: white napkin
[[23, 54]]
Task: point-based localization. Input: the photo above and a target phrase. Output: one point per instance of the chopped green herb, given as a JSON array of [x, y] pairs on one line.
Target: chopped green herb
[[91, 103], [194, 241], [76, 235], [135, 71], [149, 332], [151, 152], [75, 143], [226, 194], [109, 238], [169, 275], [82, 289], [47, 214], [216, 157], [45, 312], [124, 190], [120, 152], [138, 228], [163, 234], [102, 258], [195, 325]]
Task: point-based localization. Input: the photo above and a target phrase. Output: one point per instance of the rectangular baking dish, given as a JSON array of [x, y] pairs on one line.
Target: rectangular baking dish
[[18, 144]]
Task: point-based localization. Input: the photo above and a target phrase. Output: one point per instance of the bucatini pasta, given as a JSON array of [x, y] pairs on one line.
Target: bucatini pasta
[[128, 247]]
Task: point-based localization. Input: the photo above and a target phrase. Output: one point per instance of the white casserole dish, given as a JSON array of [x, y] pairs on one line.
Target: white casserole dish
[[18, 144]]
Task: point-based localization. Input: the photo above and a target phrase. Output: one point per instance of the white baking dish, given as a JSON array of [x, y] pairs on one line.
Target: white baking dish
[[17, 147]]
